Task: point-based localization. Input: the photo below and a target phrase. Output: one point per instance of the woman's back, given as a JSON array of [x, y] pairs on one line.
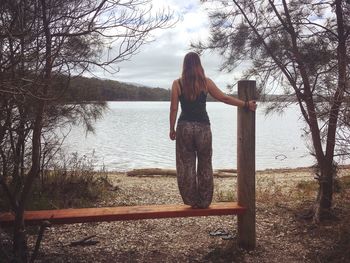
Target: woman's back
[[193, 110]]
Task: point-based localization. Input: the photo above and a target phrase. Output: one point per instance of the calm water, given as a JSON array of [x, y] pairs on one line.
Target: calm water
[[135, 135]]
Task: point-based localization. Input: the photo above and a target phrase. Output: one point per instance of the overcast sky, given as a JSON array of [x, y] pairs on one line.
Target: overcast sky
[[160, 62]]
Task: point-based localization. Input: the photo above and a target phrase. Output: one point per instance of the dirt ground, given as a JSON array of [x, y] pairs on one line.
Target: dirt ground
[[283, 232]]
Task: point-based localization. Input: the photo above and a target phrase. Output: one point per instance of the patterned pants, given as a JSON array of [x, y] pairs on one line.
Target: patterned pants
[[194, 144]]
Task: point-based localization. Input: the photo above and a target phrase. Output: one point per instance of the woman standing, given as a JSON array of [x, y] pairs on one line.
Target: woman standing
[[193, 134]]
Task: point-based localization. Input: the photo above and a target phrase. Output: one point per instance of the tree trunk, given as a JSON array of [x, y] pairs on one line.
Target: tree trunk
[[19, 238], [325, 192], [324, 198], [20, 242]]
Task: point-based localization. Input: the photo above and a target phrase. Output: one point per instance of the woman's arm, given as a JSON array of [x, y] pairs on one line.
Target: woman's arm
[[220, 96], [173, 109]]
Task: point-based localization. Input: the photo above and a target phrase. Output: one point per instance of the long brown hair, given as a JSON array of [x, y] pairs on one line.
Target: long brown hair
[[193, 77]]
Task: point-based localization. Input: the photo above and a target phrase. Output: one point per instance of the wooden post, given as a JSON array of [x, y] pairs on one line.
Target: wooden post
[[246, 166]]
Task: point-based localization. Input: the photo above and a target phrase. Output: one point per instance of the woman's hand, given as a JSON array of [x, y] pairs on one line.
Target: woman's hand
[[172, 135], [252, 105]]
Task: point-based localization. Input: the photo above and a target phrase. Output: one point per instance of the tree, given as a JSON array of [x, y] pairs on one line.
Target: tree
[[43, 45], [301, 46]]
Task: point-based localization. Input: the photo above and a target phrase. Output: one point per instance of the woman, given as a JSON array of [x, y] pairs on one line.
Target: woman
[[193, 134]]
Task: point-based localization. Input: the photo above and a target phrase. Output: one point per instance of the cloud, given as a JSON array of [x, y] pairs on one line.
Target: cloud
[[159, 62]]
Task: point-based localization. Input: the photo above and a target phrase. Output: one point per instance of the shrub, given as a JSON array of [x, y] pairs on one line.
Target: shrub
[[72, 181]]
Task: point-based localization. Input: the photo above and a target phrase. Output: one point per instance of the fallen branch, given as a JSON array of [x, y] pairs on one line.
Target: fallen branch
[[84, 242], [152, 172], [172, 172]]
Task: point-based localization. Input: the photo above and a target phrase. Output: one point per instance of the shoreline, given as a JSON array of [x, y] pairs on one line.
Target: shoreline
[[225, 170]]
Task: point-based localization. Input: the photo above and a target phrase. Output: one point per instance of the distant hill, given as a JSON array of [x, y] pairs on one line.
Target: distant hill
[[83, 89], [93, 89]]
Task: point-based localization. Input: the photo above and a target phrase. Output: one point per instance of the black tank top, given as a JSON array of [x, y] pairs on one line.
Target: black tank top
[[193, 111]]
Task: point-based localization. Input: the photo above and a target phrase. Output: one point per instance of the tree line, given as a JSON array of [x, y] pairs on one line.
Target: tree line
[[94, 89], [83, 89]]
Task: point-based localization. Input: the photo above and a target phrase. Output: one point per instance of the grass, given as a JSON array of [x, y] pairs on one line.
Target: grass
[[73, 184], [345, 181], [268, 190], [68, 189], [59, 192], [226, 196]]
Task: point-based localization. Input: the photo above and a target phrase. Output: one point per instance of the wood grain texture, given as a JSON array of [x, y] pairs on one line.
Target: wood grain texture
[[246, 166]]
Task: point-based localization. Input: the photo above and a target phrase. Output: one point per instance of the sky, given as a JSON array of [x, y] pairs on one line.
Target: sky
[[159, 62]]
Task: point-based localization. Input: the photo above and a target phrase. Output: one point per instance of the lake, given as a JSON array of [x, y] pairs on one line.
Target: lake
[[135, 135]]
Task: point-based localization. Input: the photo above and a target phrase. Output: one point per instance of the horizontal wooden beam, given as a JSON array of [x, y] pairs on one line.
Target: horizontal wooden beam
[[107, 214]]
